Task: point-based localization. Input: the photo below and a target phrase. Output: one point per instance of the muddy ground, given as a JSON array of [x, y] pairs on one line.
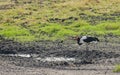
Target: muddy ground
[[100, 59]]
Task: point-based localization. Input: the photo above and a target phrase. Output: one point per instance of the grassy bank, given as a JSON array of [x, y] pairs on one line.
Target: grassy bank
[[31, 20]]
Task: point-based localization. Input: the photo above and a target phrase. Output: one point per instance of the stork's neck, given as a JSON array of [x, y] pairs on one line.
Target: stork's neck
[[78, 41]]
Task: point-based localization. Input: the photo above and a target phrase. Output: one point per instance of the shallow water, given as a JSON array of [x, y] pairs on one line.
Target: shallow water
[[20, 55], [44, 59], [49, 59]]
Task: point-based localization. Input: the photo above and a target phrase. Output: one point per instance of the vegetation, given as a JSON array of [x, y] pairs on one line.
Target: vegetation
[[29, 20], [117, 68]]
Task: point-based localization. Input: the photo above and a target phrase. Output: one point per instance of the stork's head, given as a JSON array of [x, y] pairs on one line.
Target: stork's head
[[77, 38]]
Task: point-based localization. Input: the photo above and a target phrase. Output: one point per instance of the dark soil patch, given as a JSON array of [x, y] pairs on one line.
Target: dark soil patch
[[51, 49], [84, 53], [37, 47]]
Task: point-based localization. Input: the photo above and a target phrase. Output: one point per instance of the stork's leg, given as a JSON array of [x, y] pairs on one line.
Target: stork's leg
[[87, 46]]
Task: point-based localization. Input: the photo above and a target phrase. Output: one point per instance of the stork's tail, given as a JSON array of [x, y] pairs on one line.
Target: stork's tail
[[97, 39]]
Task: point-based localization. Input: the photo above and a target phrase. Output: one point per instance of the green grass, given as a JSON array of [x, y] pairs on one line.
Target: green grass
[[54, 31], [16, 32], [117, 68], [29, 22]]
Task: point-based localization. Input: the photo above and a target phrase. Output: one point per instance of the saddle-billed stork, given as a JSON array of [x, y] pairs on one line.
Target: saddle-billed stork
[[87, 40]]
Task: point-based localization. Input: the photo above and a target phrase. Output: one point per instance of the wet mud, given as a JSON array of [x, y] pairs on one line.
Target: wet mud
[[40, 50]]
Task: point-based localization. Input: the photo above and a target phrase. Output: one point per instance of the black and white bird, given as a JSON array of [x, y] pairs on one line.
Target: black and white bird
[[86, 40]]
